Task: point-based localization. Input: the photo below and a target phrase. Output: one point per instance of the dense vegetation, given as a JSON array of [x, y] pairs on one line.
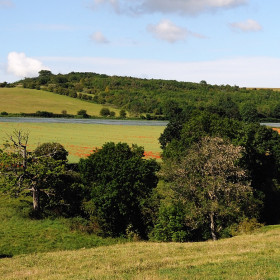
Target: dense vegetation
[[153, 98], [217, 175]]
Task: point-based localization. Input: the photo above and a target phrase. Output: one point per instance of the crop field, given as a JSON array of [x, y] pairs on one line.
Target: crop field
[[21, 100], [80, 139], [250, 257]]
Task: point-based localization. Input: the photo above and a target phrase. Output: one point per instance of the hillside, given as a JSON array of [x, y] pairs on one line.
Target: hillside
[[17, 100], [55, 249], [247, 257], [158, 97]]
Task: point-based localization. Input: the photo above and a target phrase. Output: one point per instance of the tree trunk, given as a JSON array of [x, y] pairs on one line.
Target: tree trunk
[[36, 199], [212, 227]]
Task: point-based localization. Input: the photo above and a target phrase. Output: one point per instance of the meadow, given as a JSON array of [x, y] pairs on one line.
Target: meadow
[[80, 139], [250, 257], [21, 100]]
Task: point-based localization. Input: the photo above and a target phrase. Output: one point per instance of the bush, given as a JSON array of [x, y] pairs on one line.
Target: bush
[[83, 113], [104, 112], [4, 113]]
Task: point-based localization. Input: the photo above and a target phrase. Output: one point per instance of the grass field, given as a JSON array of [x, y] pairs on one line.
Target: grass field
[[80, 139], [21, 235], [21, 100], [250, 257]]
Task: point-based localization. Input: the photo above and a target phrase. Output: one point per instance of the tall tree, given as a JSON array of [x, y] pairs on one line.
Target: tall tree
[[214, 189], [120, 180]]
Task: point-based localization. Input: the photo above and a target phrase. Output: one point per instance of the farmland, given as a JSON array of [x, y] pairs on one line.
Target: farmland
[[20, 100], [80, 139]]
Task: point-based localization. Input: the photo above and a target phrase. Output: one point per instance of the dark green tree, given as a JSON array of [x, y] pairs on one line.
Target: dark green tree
[[119, 181], [104, 112]]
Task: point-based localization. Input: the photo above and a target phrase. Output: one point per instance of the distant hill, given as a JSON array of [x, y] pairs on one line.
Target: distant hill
[[157, 98]]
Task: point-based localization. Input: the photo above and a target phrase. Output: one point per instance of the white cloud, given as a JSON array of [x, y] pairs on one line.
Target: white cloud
[[22, 66], [6, 4], [168, 31], [99, 38], [243, 71], [170, 6], [246, 26]]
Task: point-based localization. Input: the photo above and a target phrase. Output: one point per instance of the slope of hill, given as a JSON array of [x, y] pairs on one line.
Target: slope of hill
[[255, 256], [142, 96], [17, 100]]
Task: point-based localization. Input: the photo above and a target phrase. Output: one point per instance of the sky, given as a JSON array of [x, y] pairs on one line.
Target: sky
[[233, 42]]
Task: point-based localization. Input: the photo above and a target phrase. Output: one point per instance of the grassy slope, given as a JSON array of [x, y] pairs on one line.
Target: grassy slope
[[17, 100], [21, 235], [255, 256], [80, 139]]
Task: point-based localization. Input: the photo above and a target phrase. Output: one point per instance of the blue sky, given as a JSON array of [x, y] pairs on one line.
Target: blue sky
[[232, 42]]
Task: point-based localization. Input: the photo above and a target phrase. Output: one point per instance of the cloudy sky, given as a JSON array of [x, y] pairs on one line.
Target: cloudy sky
[[232, 42]]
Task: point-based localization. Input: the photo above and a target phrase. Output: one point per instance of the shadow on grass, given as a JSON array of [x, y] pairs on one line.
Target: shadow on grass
[[4, 256]]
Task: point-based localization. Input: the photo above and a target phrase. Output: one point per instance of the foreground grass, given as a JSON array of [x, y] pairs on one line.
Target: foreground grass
[[80, 139], [21, 235], [21, 100], [255, 256]]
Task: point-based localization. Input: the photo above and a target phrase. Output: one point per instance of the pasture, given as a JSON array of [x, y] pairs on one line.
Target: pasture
[[80, 139], [250, 257], [21, 100]]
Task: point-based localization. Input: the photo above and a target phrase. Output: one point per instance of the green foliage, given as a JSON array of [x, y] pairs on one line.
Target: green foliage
[[212, 187], [54, 150], [261, 155], [104, 112], [123, 113], [83, 113], [170, 225], [159, 97], [119, 182]]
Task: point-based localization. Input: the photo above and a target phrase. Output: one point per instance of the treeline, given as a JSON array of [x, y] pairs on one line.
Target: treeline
[[153, 97], [219, 176]]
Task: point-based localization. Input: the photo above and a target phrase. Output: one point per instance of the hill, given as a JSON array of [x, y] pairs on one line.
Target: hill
[[17, 100], [158, 97]]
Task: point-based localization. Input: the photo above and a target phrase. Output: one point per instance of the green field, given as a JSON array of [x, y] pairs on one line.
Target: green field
[[49, 249], [80, 139], [250, 257], [21, 100]]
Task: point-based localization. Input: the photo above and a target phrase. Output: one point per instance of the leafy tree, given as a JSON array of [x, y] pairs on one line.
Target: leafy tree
[[123, 113], [27, 172], [120, 181], [248, 112], [83, 113], [213, 188], [104, 112], [261, 154]]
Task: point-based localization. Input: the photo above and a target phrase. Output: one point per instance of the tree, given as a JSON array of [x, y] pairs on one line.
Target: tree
[[248, 112], [123, 113], [213, 188], [36, 173], [104, 112], [119, 182], [83, 113], [261, 154]]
